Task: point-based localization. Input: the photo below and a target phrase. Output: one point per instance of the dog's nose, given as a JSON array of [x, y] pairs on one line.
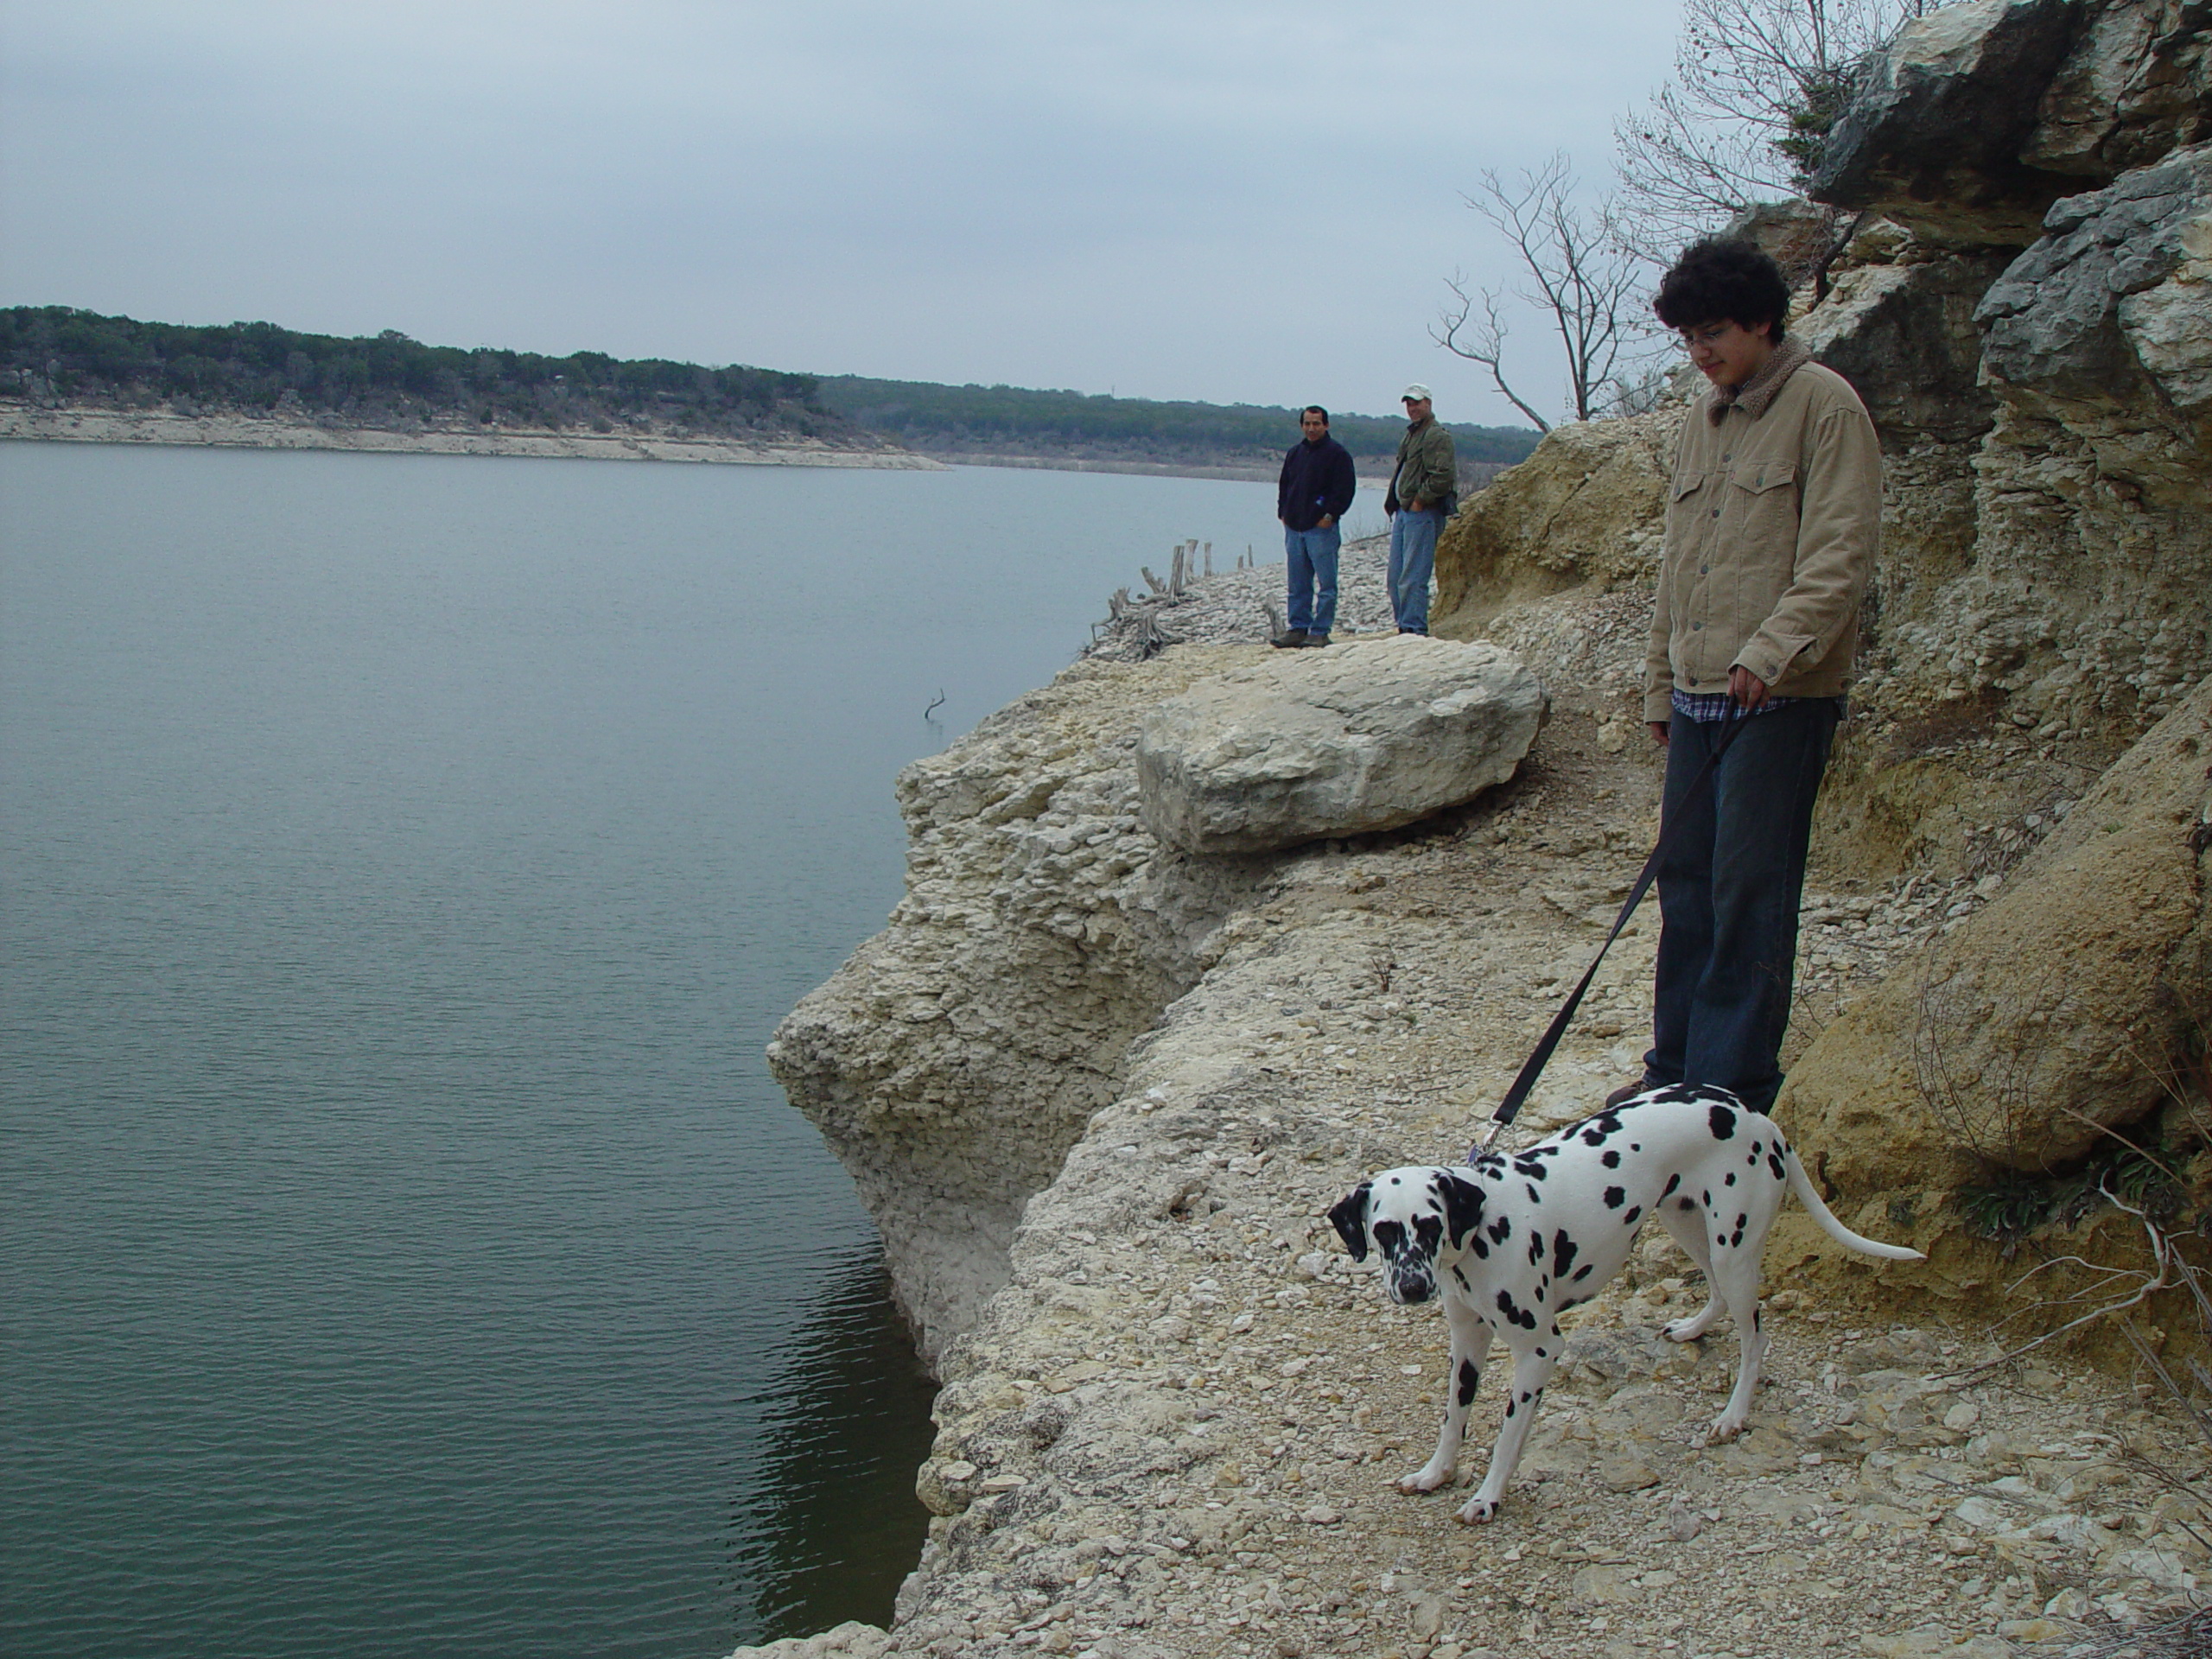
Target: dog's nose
[[1414, 1289]]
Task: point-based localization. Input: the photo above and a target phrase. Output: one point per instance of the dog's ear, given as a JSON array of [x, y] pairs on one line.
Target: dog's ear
[[1462, 1204], [1350, 1218]]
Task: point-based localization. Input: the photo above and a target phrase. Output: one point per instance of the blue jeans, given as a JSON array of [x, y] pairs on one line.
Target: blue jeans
[[1412, 561], [1312, 557], [1728, 893]]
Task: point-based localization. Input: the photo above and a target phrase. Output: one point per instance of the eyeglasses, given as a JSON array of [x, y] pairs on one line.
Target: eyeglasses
[[1710, 333]]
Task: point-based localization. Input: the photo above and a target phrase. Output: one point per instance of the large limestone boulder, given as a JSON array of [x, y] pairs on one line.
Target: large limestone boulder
[[1361, 737], [2046, 1015], [1934, 139]]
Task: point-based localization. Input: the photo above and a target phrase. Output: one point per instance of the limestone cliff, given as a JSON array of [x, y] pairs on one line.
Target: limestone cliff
[[1098, 1090]]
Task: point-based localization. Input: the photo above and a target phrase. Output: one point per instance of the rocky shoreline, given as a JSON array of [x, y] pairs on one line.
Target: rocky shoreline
[[87, 425], [1098, 1084], [1174, 1412]]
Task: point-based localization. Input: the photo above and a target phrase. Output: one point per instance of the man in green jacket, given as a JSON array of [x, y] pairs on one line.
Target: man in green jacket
[[1424, 492], [1773, 517]]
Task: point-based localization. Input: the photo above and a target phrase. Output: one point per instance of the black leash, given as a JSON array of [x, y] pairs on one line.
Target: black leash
[[1509, 1108]]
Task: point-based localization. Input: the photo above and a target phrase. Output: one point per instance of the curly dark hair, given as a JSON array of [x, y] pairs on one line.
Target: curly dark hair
[[1723, 279]]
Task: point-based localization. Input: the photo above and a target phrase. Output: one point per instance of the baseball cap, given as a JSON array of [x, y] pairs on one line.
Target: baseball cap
[[1414, 393]]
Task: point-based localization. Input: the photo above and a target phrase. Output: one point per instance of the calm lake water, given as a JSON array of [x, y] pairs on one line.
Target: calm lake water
[[405, 859]]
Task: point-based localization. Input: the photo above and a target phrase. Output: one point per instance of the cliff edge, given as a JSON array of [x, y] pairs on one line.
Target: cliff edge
[[1099, 1091]]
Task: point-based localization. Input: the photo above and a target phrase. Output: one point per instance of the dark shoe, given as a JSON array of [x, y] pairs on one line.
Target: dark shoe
[[1288, 637], [1622, 1096], [1315, 639]]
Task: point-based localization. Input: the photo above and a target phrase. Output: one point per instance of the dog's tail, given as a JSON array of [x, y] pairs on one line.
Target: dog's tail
[[1802, 1186]]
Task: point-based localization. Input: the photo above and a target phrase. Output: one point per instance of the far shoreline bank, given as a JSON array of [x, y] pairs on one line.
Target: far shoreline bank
[[165, 427], [231, 431]]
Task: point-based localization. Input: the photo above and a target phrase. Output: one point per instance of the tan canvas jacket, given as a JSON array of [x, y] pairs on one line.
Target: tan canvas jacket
[[1773, 519]]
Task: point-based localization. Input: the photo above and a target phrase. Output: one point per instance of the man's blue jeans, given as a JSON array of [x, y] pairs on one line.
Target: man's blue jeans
[[1728, 892], [1312, 555], [1412, 561]]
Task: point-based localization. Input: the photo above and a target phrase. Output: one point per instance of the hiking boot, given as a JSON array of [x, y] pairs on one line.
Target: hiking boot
[[1289, 638], [1627, 1092], [1315, 639]]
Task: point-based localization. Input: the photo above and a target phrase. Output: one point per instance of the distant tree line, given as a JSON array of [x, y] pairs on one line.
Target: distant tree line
[[953, 420], [54, 354]]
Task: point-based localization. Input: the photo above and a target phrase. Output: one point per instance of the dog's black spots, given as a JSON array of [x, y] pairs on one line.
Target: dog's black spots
[[1541, 1354], [1612, 1160], [1513, 1313], [1736, 1239], [1722, 1122], [1673, 1181], [1634, 1211], [1394, 1181], [1755, 1319], [1348, 1218], [1708, 1199], [1481, 1249], [1756, 1148], [1534, 1197], [1635, 1145], [1390, 1238], [1742, 1221], [1469, 1376], [1616, 1196], [1583, 1272], [1564, 1251], [1527, 1166], [1462, 1278], [1501, 1229], [1535, 1248], [1508, 1407], [1729, 1180], [1753, 1160], [1526, 1396], [1774, 1163], [1428, 1231], [1462, 1204], [1687, 1204]]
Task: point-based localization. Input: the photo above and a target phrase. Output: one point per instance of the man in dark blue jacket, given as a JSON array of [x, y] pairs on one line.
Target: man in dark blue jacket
[[1316, 486]]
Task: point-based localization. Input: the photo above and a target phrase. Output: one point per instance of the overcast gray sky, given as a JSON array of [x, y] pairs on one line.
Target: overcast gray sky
[[1237, 200]]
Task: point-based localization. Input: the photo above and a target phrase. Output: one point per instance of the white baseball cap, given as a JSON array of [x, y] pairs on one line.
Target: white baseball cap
[[1416, 393]]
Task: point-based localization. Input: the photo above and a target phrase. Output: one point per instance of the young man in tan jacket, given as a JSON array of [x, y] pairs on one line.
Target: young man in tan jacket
[[1773, 517]]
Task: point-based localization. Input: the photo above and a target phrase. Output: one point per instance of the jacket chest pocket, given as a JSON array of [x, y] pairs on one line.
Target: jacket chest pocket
[[1762, 503], [1761, 477]]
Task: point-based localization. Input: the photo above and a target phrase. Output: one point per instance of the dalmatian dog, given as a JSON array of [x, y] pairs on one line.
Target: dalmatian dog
[[1514, 1240]]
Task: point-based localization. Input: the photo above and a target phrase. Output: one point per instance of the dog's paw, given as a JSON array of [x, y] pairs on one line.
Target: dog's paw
[[1725, 1428], [1478, 1512], [1427, 1478], [1689, 1329]]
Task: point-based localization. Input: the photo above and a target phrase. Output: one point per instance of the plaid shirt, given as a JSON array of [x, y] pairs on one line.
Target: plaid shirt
[[1709, 706]]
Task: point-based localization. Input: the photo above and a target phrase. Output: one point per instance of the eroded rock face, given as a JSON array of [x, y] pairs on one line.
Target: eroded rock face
[[2119, 287], [1360, 738], [2013, 1038], [1588, 506], [1935, 140], [952, 1061]]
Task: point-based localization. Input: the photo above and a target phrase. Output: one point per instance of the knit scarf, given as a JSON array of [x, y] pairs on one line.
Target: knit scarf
[[1756, 393]]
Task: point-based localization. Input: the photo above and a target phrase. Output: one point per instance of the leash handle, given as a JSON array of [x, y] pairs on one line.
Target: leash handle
[[1516, 1097]]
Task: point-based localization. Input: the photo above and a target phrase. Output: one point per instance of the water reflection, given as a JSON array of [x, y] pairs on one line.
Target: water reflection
[[846, 1419]]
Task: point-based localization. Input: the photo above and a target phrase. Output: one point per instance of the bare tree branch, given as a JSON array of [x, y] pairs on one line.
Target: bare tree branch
[[1756, 84], [1580, 276], [1484, 341]]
